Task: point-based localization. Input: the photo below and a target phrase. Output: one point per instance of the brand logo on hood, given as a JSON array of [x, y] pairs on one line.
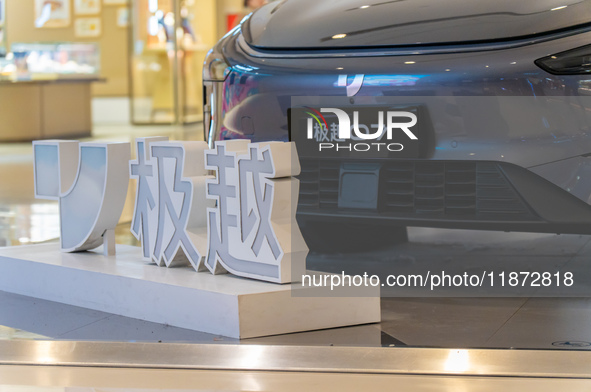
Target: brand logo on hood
[[353, 87]]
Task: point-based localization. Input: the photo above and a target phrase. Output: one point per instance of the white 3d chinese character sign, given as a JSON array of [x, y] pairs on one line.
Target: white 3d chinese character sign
[[169, 217], [228, 209], [252, 231], [87, 180], [242, 220]]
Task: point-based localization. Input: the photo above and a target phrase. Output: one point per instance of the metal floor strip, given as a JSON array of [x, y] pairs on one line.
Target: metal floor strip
[[379, 360]]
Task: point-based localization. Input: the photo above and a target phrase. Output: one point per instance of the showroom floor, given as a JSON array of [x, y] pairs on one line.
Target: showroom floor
[[436, 322]]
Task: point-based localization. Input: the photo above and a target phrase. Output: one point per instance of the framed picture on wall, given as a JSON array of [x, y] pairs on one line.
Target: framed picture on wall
[[2, 35], [122, 16], [87, 7], [52, 13], [2, 43], [115, 2], [87, 27]]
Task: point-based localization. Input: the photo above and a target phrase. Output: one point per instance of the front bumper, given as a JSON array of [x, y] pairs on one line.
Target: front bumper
[[482, 195]]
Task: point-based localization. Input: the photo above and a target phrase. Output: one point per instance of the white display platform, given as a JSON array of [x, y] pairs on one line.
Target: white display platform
[[218, 304]]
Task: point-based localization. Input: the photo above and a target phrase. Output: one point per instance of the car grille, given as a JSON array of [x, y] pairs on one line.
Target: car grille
[[436, 189]]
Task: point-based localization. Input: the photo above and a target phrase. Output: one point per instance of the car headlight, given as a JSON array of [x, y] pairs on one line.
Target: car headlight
[[215, 67], [215, 71], [572, 62]]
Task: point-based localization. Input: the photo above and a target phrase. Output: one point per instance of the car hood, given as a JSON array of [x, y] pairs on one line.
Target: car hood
[[290, 24]]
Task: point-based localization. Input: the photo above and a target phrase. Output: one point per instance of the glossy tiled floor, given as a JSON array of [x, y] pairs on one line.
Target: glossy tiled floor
[[439, 322]]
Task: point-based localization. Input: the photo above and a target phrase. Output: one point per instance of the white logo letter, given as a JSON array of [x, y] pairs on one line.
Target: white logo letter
[[91, 198], [344, 122], [403, 126], [368, 136]]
